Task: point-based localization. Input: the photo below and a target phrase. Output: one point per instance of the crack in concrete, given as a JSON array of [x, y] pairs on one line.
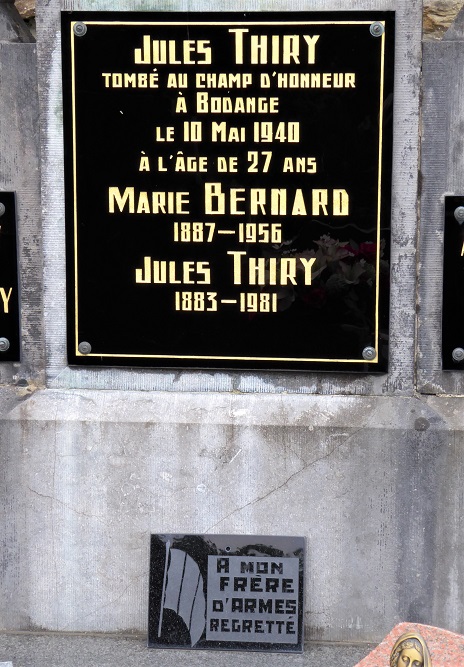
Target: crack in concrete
[[54, 499], [287, 481]]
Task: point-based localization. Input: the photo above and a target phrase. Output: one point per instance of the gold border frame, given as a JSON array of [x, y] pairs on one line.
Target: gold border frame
[[74, 180]]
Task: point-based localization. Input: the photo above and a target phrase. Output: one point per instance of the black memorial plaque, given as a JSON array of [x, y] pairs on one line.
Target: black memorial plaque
[[226, 592], [9, 294], [228, 187], [453, 285]]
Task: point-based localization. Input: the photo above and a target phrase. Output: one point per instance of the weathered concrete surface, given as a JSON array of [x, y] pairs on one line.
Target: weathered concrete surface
[[86, 476], [438, 15], [87, 651]]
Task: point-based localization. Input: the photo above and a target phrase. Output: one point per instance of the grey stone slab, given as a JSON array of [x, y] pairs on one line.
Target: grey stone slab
[[89, 651], [10, 398], [12, 26], [456, 30], [400, 379]]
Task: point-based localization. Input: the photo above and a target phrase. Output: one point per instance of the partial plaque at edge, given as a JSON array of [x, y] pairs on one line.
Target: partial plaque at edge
[[10, 345], [226, 592], [453, 287]]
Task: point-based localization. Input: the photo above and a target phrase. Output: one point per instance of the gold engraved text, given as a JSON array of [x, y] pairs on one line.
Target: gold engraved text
[[274, 49], [130, 201], [179, 273], [274, 201], [5, 298], [271, 271], [130, 80], [163, 52]]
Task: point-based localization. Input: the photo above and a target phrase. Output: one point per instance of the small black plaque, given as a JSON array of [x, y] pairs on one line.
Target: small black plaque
[[453, 285], [226, 592], [228, 182], [9, 293]]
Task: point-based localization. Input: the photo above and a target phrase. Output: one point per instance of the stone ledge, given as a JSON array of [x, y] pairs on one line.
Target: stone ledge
[[87, 405]]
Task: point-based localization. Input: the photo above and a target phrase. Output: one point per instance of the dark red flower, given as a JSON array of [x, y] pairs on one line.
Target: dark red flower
[[368, 251]]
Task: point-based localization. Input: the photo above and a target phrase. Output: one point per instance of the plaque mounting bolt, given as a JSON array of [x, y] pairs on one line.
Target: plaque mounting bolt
[[459, 214], [458, 354], [369, 353], [4, 344], [79, 29], [84, 347], [2, 209], [377, 29]]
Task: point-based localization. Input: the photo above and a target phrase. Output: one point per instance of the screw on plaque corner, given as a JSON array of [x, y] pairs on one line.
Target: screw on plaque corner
[[84, 347], [459, 214], [4, 344], [377, 29], [79, 29], [369, 353], [2, 209], [458, 354]]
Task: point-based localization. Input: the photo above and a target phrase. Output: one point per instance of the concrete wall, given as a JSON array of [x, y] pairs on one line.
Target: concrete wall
[[369, 469], [88, 486]]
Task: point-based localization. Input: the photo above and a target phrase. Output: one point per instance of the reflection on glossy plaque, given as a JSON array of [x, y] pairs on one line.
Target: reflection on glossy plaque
[[453, 285], [9, 295], [228, 182], [226, 592]]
